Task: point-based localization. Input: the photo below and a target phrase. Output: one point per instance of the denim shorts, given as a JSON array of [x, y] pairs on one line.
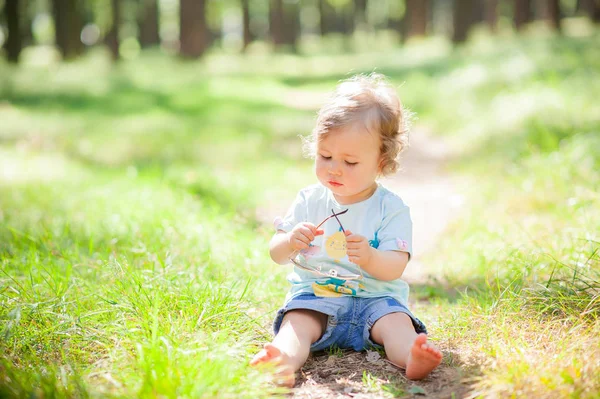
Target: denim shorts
[[349, 319]]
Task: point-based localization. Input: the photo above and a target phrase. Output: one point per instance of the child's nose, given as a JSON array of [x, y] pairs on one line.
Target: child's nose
[[334, 168]]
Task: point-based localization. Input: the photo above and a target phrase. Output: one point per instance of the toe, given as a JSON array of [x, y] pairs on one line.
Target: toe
[[421, 340], [272, 351], [268, 354], [433, 351], [259, 357]]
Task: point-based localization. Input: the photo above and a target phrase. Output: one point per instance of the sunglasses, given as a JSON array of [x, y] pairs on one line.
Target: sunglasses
[[337, 273]]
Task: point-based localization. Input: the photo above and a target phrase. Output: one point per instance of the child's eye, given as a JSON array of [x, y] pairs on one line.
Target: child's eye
[[324, 157], [351, 163]]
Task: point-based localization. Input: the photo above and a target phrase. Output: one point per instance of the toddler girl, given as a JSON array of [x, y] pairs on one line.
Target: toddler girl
[[350, 240]]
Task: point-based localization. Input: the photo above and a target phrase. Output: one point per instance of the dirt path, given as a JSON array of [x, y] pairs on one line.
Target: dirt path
[[430, 193]]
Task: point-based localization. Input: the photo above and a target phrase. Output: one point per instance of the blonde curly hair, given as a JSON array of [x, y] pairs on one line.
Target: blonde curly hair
[[373, 102]]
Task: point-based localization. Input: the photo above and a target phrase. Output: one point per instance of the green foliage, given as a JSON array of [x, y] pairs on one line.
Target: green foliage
[[133, 251], [525, 244], [335, 351]]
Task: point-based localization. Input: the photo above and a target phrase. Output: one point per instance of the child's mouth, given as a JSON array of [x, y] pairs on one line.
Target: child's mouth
[[335, 184]]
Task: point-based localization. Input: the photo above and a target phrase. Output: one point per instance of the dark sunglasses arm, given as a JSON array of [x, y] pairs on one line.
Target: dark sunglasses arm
[[335, 215]]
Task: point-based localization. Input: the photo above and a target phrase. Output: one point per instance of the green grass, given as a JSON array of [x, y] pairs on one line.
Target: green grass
[[138, 281], [133, 242], [525, 249]]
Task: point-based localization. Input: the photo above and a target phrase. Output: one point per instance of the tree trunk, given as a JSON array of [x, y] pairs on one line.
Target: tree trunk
[[478, 13], [463, 19], [395, 24], [68, 24], [149, 24], [247, 34], [402, 26], [416, 18], [348, 18], [284, 24], [276, 22], [14, 42], [291, 27], [554, 14], [326, 17], [112, 38], [215, 34], [491, 15], [27, 17], [592, 8], [522, 13], [360, 13], [193, 32]]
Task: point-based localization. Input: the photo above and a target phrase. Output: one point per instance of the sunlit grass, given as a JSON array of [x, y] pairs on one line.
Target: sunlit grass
[[135, 201], [525, 251], [131, 286]]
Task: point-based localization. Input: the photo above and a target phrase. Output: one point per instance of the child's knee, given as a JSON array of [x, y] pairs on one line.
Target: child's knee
[[305, 322], [392, 325]]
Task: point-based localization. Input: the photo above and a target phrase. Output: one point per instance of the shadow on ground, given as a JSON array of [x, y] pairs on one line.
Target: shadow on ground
[[359, 375], [367, 375]]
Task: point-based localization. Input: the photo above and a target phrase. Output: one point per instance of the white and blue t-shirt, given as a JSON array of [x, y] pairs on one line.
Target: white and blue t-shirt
[[383, 219]]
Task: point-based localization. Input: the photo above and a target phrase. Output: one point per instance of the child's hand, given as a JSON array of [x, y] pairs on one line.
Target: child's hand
[[302, 235], [358, 249]]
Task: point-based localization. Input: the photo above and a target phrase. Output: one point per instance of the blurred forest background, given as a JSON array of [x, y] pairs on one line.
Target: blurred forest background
[[145, 147], [192, 27]]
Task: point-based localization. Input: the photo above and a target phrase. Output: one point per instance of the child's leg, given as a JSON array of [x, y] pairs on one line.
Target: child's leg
[[404, 347], [291, 346]]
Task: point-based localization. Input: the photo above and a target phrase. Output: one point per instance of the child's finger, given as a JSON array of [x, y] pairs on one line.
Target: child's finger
[[354, 238], [348, 233], [308, 235], [300, 243], [310, 226], [307, 231], [302, 236], [313, 229], [353, 249], [352, 245]]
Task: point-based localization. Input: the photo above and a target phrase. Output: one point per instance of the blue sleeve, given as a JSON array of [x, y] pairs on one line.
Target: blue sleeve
[[395, 233], [296, 214]]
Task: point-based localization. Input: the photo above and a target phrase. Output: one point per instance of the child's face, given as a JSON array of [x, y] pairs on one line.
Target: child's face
[[348, 163]]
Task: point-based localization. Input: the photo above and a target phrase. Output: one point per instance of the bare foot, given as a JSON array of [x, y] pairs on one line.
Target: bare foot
[[272, 355], [423, 358]]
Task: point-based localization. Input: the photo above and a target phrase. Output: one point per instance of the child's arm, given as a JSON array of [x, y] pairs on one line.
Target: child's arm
[[386, 265], [283, 244], [280, 248], [383, 265]]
